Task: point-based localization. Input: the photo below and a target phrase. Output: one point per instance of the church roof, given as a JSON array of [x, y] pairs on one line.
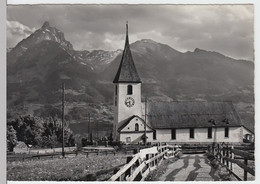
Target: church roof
[[127, 71], [192, 114], [127, 121]]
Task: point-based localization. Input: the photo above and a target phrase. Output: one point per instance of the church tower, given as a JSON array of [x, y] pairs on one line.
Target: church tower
[[127, 93]]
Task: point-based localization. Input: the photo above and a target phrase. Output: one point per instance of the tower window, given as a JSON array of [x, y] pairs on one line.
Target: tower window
[[173, 133], [116, 90], [192, 133], [136, 127], [129, 89], [226, 132], [209, 133]]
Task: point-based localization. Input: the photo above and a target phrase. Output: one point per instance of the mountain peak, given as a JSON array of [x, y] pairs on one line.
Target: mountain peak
[[148, 41], [198, 50], [46, 24]]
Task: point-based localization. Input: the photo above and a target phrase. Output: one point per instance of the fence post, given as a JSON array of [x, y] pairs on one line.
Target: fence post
[[128, 171], [156, 160], [218, 152], [153, 163], [232, 157], [245, 173], [227, 155], [147, 158], [223, 155]]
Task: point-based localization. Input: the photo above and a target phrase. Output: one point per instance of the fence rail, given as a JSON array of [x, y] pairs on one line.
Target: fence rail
[[138, 166], [228, 155], [37, 155]]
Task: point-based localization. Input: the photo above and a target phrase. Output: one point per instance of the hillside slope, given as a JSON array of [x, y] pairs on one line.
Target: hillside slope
[[39, 64]]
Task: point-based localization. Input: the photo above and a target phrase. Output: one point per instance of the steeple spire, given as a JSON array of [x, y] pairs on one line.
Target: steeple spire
[[127, 72], [126, 34], [126, 28]]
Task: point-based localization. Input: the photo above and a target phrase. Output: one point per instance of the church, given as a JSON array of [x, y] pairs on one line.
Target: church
[[171, 122]]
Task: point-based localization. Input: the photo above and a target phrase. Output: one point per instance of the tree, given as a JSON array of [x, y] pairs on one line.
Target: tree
[[39, 132], [11, 138]]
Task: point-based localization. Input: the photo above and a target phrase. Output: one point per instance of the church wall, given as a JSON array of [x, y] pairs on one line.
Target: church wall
[[135, 137], [234, 135], [200, 135], [131, 125]]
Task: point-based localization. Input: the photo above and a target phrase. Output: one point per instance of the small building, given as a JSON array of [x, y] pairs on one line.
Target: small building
[[175, 121], [20, 147]]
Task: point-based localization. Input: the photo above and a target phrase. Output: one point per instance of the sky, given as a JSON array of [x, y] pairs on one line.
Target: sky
[[228, 29]]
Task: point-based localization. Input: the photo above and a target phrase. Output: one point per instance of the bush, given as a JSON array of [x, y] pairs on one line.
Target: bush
[[37, 132]]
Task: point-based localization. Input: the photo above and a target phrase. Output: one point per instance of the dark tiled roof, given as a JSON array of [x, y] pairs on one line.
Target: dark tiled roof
[[188, 114], [127, 71], [125, 123]]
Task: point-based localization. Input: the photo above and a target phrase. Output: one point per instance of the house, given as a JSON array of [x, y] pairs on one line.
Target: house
[[176, 121]]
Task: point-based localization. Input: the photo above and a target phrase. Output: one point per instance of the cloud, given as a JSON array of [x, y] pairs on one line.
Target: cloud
[[223, 28], [16, 32]]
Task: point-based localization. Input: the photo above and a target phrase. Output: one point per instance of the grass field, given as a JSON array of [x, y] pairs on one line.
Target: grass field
[[61, 169]]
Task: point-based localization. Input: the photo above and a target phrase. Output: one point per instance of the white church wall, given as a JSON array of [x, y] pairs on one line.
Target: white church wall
[[200, 135], [135, 137], [234, 135], [131, 125]]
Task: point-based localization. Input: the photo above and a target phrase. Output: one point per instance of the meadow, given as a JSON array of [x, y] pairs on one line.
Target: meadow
[[75, 168]]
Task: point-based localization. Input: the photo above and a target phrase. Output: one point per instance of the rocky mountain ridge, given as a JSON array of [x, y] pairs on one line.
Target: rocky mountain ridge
[[40, 63], [95, 59]]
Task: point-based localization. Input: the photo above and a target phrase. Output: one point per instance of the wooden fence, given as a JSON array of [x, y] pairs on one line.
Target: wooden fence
[[138, 166], [228, 155], [38, 155]]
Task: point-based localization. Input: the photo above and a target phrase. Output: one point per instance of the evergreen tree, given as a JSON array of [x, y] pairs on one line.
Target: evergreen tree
[[11, 138]]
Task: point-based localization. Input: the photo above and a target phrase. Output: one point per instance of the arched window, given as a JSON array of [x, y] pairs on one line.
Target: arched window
[[129, 89], [136, 127]]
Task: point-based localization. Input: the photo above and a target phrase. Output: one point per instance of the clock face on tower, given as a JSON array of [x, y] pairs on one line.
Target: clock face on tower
[[129, 102]]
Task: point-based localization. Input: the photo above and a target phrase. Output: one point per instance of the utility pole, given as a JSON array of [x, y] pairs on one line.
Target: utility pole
[[215, 133], [63, 106], [145, 121], [97, 131], [89, 126]]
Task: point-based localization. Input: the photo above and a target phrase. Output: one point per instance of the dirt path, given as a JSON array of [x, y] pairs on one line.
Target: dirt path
[[190, 168]]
